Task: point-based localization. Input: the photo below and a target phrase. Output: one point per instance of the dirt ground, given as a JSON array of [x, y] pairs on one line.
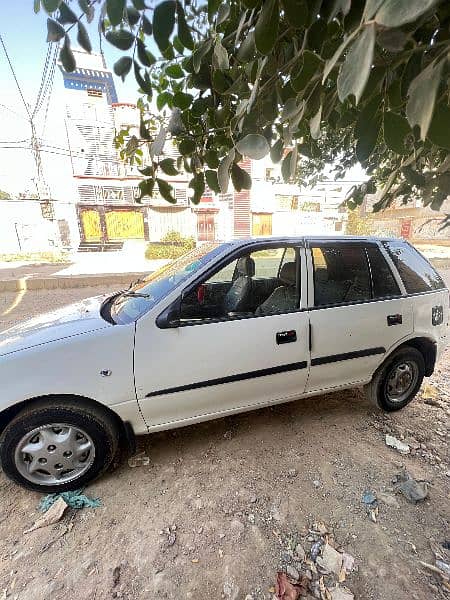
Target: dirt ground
[[215, 512]]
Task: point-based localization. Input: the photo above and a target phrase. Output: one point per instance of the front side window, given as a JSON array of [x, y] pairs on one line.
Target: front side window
[[146, 293], [341, 274], [415, 271], [258, 283]]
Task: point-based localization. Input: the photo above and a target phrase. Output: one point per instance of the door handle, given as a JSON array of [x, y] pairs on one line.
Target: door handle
[[286, 337], [394, 320]]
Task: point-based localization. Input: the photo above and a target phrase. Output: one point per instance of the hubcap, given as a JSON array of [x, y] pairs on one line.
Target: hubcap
[[54, 454], [401, 381]]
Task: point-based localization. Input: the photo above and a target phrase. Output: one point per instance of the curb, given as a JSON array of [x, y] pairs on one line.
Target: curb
[[66, 281]]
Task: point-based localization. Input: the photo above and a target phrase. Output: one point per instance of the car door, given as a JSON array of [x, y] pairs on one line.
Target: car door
[[358, 312], [227, 363]]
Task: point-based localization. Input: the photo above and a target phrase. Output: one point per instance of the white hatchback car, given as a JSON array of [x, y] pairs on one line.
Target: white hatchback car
[[226, 328]]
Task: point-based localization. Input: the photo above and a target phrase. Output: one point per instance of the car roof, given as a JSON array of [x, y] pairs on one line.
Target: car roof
[[310, 238]]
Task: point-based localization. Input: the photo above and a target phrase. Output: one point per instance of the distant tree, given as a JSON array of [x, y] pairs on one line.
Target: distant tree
[[4, 195], [313, 82]]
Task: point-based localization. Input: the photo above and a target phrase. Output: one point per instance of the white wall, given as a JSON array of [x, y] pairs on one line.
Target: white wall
[[23, 229], [160, 222]]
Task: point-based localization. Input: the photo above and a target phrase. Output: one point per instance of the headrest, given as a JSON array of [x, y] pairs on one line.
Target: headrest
[[288, 273], [246, 266]]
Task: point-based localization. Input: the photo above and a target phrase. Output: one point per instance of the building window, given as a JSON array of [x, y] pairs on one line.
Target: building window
[[95, 93], [338, 226], [310, 206], [286, 202]]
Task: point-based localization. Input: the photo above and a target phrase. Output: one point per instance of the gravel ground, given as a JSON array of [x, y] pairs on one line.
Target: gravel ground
[[218, 508]]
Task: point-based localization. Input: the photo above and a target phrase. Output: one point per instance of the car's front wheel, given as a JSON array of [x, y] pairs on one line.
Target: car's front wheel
[[398, 380], [58, 445]]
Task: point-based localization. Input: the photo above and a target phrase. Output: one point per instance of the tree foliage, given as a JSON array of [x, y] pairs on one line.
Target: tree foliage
[[313, 82]]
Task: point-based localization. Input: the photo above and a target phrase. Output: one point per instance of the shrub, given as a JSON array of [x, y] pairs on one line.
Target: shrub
[[172, 245]]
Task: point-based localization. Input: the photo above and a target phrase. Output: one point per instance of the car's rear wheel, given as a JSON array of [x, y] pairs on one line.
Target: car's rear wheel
[[398, 380], [55, 446]]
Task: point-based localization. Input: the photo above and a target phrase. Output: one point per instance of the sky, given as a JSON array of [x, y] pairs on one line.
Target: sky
[[24, 35]]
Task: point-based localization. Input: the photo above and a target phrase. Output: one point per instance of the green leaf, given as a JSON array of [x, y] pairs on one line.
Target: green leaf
[[197, 183], [66, 56], [296, 12], [143, 131], [355, 71], [223, 13], [87, 9], [163, 99], [168, 166], [55, 31], [148, 171], [413, 177], [165, 189], [147, 27], [212, 159], [309, 66], [182, 100], [213, 7], [220, 57], [240, 178], [371, 8], [174, 71], [438, 133], [276, 152], [122, 67], [133, 16], [200, 53], [139, 4], [114, 11], [394, 13], [66, 14], [266, 29], [163, 23], [83, 38], [146, 187], [50, 5], [186, 146], [212, 181], [367, 129], [422, 96], [223, 172], [254, 146], [145, 57], [330, 64], [120, 38], [314, 124], [395, 129], [184, 33], [36, 6], [247, 49], [392, 40], [286, 167], [144, 82]]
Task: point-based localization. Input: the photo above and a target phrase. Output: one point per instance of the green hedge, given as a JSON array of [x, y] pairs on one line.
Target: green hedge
[[172, 245]]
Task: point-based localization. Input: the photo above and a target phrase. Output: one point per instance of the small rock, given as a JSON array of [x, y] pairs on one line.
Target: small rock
[[316, 483], [251, 518], [388, 499], [253, 499], [292, 473], [292, 572], [331, 560], [221, 536], [300, 552], [200, 530]]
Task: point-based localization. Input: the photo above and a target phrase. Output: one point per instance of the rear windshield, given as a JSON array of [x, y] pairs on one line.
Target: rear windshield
[[415, 271]]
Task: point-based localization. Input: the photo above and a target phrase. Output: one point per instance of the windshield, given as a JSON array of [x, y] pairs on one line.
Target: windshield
[[146, 293]]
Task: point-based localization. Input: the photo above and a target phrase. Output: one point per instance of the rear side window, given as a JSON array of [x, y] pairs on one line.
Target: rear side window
[[415, 271], [383, 281], [341, 274]]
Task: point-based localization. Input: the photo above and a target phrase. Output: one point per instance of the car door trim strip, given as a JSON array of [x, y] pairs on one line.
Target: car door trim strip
[[323, 360], [232, 378]]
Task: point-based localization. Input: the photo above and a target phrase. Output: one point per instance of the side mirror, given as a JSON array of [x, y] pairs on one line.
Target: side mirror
[[170, 317]]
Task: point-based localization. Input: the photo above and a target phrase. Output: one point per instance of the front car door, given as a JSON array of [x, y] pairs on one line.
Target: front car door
[[219, 361], [358, 311]]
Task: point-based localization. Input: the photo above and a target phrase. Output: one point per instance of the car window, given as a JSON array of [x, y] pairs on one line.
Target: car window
[[267, 262], [415, 271], [341, 274], [259, 283], [383, 281]]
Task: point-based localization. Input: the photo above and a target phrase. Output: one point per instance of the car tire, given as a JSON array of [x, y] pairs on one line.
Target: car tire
[[406, 365], [58, 445]]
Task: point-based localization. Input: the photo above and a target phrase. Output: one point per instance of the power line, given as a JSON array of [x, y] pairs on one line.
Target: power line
[[14, 75]]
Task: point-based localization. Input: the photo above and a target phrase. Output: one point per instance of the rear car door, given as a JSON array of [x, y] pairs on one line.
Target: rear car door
[[231, 360], [358, 311]]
